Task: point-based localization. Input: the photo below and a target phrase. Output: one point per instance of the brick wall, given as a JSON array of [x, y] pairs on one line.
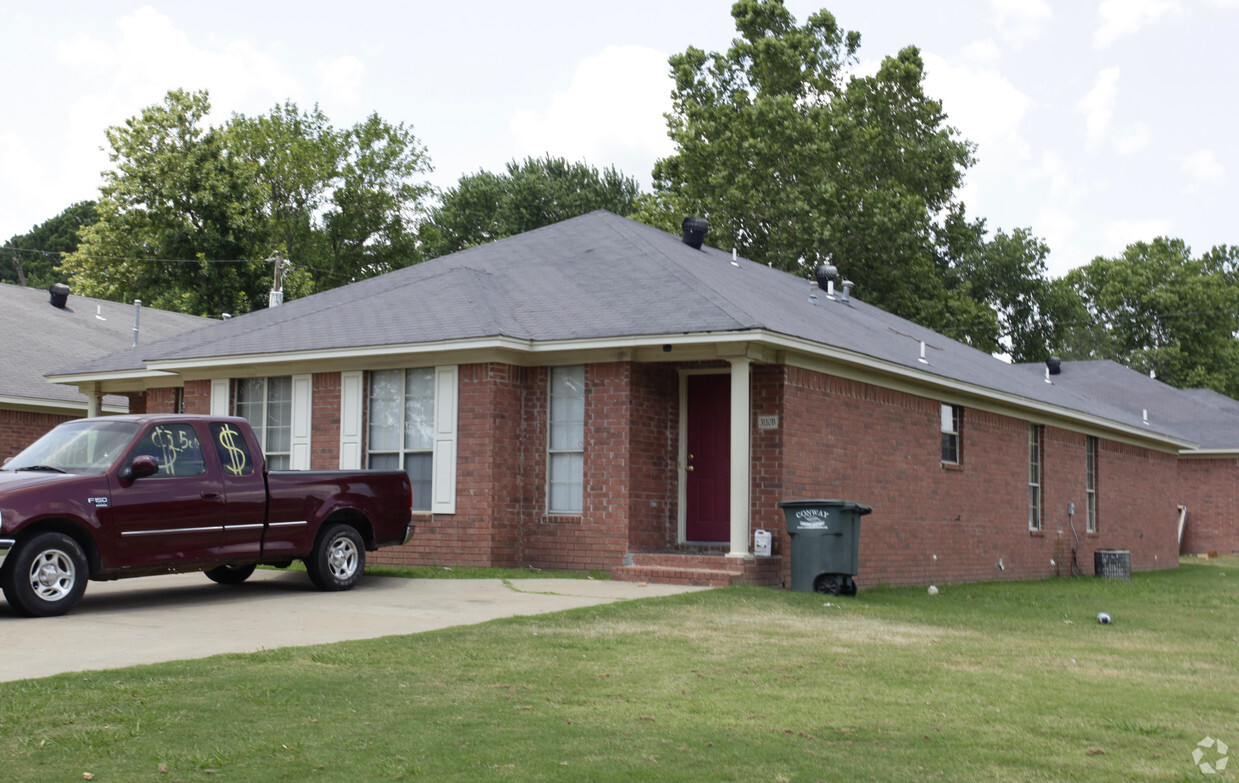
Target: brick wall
[[325, 421], [18, 429], [197, 396], [879, 447], [1208, 488]]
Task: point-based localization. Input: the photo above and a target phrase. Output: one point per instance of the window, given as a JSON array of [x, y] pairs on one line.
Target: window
[[566, 447], [1090, 483], [1035, 472], [175, 447], [952, 418], [402, 427], [267, 403], [234, 455]]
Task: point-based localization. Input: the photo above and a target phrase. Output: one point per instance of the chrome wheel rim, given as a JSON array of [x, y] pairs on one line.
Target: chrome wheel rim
[[342, 558], [52, 575]]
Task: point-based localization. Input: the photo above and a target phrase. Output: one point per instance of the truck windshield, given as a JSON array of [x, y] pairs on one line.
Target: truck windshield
[[85, 446]]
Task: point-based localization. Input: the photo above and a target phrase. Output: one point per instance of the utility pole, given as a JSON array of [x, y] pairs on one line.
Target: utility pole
[[276, 297]]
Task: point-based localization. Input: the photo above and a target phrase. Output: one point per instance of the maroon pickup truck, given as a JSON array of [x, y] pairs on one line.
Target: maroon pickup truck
[[121, 496]]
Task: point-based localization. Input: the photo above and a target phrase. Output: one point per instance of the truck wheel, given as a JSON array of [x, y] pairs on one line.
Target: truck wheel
[[46, 577], [230, 574], [338, 558]]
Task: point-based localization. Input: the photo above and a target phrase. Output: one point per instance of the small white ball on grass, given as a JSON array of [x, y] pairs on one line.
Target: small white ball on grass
[[1104, 618], [933, 590]]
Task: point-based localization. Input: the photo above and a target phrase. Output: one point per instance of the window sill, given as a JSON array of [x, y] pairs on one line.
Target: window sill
[[562, 519], [953, 467], [1037, 533]]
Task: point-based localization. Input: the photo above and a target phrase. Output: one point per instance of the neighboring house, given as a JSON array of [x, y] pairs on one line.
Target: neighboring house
[[599, 394], [1207, 480], [46, 330]]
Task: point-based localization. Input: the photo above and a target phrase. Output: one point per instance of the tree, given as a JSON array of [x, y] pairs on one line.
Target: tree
[[34, 258], [340, 204], [376, 203], [484, 207], [180, 223], [793, 162], [1157, 309], [192, 215]]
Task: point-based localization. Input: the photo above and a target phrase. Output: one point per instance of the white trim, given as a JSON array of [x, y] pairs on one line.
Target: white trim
[[54, 407], [443, 472], [302, 423], [219, 397], [352, 399], [532, 353]]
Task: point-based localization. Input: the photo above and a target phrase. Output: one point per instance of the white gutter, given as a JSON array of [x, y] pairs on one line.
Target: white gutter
[[161, 368]]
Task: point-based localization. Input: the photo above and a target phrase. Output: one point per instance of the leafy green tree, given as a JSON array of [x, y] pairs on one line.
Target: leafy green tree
[[180, 222], [1157, 309], [376, 202], [341, 204], [33, 259], [484, 207], [794, 162], [294, 157]]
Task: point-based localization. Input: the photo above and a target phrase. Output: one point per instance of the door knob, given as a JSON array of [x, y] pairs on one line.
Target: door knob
[[689, 468]]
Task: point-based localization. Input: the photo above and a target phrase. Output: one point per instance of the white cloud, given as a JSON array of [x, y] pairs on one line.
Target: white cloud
[[985, 107], [1065, 188], [339, 80], [985, 52], [1058, 228], [610, 114], [1019, 21], [1118, 234], [1098, 105], [1132, 139], [1122, 17], [1204, 168]]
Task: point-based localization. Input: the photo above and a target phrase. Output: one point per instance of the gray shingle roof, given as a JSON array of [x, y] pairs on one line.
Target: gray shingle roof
[[602, 276], [39, 338], [1199, 415]]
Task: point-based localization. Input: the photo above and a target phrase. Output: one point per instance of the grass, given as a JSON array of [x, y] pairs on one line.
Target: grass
[[1002, 681]]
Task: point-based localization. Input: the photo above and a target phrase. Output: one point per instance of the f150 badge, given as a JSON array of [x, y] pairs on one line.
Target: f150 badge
[[98, 502]]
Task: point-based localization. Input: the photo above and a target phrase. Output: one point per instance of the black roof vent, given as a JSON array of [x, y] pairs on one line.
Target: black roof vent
[[1054, 365], [826, 275], [60, 295], [695, 229]]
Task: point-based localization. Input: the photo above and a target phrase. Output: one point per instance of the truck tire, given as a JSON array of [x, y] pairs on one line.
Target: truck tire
[[338, 558], [46, 576], [230, 574]]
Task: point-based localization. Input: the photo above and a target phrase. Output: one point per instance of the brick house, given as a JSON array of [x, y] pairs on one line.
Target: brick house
[[46, 330], [599, 394]]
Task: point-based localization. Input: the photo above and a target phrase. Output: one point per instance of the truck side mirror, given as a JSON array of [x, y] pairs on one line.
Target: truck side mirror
[[141, 467]]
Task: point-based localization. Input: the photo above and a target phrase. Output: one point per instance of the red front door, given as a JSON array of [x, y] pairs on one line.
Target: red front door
[[707, 508]]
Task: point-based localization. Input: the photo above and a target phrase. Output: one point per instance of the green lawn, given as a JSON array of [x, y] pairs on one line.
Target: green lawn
[[1007, 682]]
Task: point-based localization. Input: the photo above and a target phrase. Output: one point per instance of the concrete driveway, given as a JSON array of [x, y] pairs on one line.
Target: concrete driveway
[[165, 618]]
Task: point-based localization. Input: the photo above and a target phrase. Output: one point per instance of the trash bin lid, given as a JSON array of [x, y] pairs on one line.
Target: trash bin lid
[[846, 505]]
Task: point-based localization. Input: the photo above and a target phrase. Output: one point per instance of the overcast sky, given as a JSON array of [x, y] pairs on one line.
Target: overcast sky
[[1098, 123]]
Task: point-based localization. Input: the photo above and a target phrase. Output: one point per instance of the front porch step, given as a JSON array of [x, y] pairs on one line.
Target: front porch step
[[701, 570], [672, 575]]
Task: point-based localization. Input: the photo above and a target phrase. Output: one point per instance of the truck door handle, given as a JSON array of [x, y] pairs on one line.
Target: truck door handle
[[208, 495]]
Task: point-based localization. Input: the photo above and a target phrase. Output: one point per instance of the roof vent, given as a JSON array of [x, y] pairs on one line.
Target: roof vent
[[1054, 365], [695, 229], [60, 295]]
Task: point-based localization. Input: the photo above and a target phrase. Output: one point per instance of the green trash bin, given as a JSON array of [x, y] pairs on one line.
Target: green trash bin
[[825, 544]]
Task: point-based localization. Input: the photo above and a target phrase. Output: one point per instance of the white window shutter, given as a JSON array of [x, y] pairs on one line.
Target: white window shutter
[[219, 397], [444, 491], [303, 411], [352, 394]]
